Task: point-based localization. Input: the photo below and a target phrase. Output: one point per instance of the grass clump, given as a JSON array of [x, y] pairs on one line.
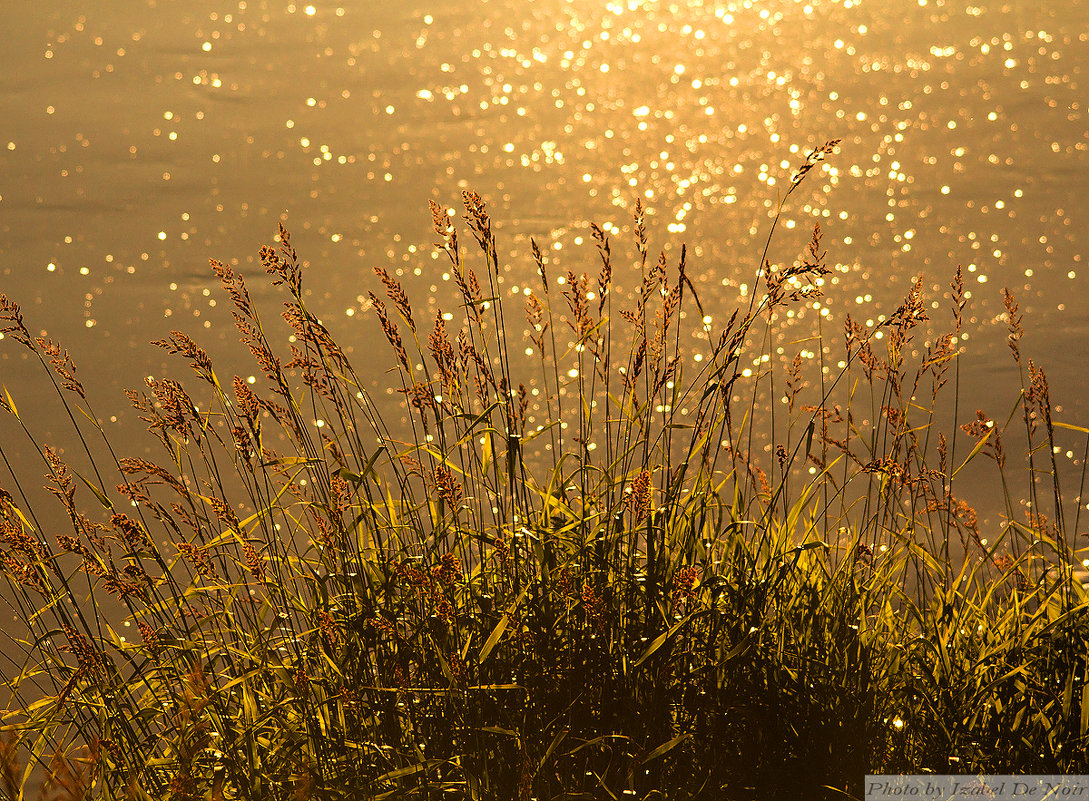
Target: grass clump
[[622, 576]]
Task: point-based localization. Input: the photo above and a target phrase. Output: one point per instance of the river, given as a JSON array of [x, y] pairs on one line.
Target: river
[[140, 138]]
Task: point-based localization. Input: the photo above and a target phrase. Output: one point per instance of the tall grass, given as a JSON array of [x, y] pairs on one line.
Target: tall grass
[[615, 573]]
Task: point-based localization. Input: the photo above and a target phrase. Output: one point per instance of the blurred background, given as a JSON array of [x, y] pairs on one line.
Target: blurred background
[[139, 138]]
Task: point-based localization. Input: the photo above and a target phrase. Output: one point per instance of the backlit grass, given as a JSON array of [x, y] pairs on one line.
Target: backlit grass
[[611, 572]]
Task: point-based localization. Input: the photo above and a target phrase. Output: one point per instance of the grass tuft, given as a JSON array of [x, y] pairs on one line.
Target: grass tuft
[[610, 570]]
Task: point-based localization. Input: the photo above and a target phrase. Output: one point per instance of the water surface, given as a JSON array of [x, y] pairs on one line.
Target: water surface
[[141, 138]]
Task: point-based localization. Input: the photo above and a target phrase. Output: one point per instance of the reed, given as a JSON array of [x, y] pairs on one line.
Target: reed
[[608, 573]]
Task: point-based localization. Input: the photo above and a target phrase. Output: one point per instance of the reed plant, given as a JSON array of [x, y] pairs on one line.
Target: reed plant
[[617, 571]]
